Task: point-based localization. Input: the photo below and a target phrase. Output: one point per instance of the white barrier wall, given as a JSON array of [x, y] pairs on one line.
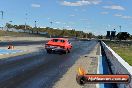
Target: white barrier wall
[[118, 65]]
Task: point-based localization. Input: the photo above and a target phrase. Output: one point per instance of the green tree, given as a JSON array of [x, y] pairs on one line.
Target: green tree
[[8, 25], [100, 36], [53, 32], [123, 35], [90, 35], [131, 37]]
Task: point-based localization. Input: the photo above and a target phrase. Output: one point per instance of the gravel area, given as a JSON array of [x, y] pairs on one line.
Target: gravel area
[[89, 62]]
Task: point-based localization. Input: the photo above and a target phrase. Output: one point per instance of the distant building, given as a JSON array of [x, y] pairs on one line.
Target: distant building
[[111, 35], [108, 35]]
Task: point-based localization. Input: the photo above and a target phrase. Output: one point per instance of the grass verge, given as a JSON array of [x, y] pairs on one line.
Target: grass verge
[[124, 49]]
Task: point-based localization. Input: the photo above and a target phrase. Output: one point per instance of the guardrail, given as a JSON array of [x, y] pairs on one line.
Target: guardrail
[[117, 64]]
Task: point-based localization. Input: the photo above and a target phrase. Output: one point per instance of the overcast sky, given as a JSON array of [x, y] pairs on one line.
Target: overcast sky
[[95, 16]]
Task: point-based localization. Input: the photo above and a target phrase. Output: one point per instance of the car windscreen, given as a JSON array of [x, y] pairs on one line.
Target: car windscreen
[[58, 40]]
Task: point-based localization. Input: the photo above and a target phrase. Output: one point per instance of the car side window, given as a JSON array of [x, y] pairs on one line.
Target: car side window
[[69, 42], [62, 41], [55, 40]]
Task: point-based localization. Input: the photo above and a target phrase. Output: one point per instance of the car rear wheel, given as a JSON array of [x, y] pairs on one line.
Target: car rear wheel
[[49, 51], [66, 51]]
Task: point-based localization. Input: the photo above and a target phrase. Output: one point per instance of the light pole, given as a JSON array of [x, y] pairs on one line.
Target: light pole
[[35, 24], [86, 33], [10, 24], [25, 22], [51, 23], [2, 15], [120, 28]]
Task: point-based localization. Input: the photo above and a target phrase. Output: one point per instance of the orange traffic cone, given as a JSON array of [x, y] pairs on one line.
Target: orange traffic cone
[[10, 47]]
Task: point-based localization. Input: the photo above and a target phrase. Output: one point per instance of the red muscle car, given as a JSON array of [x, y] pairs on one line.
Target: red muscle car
[[61, 45]]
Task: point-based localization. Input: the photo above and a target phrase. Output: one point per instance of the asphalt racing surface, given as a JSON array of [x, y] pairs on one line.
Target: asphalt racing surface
[[41, 70]]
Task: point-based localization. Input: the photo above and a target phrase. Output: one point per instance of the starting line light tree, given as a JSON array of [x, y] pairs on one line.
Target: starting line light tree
[[111, 35]]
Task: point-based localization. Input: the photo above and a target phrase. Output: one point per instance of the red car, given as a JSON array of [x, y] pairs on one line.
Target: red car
[[61, 45]]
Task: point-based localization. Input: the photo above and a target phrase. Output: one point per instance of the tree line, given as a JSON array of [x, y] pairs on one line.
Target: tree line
[[118, 36], [53, 32]]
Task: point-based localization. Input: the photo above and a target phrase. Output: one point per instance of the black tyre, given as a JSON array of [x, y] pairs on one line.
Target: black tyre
[[69, 51], [49, 51], [66, 51]]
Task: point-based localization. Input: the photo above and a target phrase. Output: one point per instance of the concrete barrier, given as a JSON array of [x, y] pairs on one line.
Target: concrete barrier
[[118, 65]]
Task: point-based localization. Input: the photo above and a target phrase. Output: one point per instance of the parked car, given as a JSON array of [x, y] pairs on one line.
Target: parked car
[[61, 45]]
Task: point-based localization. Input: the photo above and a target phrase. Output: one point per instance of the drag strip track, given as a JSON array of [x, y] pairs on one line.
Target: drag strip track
[[41, 70]]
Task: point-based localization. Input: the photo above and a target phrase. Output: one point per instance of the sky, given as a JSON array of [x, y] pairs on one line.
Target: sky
[[96, 16]]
